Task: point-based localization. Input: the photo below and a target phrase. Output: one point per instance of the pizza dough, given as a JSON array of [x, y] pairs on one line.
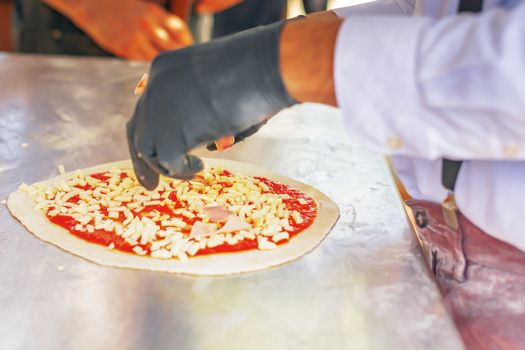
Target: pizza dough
[[22, 205]]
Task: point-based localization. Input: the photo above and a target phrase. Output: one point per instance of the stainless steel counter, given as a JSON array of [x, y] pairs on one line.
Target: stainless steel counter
[[364, 287]]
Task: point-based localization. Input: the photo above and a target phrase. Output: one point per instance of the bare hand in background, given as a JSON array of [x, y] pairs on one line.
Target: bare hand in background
[[214, 6], [129, 29]]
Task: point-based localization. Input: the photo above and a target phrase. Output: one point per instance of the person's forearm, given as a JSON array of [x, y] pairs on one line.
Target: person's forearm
[[79, 9], [306, 56], [70, 8]]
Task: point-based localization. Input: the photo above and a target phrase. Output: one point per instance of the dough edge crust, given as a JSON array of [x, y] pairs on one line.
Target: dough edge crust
[[21, 205]]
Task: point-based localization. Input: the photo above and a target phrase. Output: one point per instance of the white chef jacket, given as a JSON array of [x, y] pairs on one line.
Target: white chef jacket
[[417, 81]]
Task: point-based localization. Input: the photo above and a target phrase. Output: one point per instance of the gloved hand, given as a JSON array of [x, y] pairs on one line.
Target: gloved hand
[[201, 93]]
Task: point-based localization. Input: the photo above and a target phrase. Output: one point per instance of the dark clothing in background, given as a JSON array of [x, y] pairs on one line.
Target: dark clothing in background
[[252, 13], [315, 5], [247, 14], [481, 278], [40, 29]]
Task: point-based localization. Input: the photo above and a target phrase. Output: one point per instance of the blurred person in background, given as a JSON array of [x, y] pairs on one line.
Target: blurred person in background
[[131, 29]]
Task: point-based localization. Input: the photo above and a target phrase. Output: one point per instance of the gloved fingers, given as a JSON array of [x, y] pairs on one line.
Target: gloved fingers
[[183, 167], [240, 136], [144, 173], [250, 131]]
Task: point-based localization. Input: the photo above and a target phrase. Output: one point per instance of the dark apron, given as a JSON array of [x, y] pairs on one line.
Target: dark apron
[[482, 279]]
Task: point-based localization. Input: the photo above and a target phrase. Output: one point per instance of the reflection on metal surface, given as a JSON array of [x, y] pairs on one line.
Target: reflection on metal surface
[[364, 287]]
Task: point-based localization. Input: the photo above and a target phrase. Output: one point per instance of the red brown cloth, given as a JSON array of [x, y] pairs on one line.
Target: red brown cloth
[[482, 279]]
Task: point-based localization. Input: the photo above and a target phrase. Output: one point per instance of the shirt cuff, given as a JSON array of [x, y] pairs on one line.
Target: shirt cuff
[[375, 80]]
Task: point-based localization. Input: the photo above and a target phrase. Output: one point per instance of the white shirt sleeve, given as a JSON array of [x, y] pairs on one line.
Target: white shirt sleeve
[[432, 88], [378, 7]]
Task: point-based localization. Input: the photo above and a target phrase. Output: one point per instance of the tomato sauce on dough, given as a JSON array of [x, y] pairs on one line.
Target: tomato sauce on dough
[[298, 200]]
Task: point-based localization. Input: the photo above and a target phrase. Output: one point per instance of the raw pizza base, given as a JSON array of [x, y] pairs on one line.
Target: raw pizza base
[[21, 206]]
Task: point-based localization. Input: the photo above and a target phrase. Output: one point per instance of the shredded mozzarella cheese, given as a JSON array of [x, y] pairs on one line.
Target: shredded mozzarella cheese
[[143, 222]]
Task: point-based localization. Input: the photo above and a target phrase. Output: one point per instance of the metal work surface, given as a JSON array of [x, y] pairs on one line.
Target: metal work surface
[[364, 287]]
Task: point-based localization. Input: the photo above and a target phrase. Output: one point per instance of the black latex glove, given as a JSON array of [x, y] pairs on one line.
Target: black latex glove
[[199, 94]]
